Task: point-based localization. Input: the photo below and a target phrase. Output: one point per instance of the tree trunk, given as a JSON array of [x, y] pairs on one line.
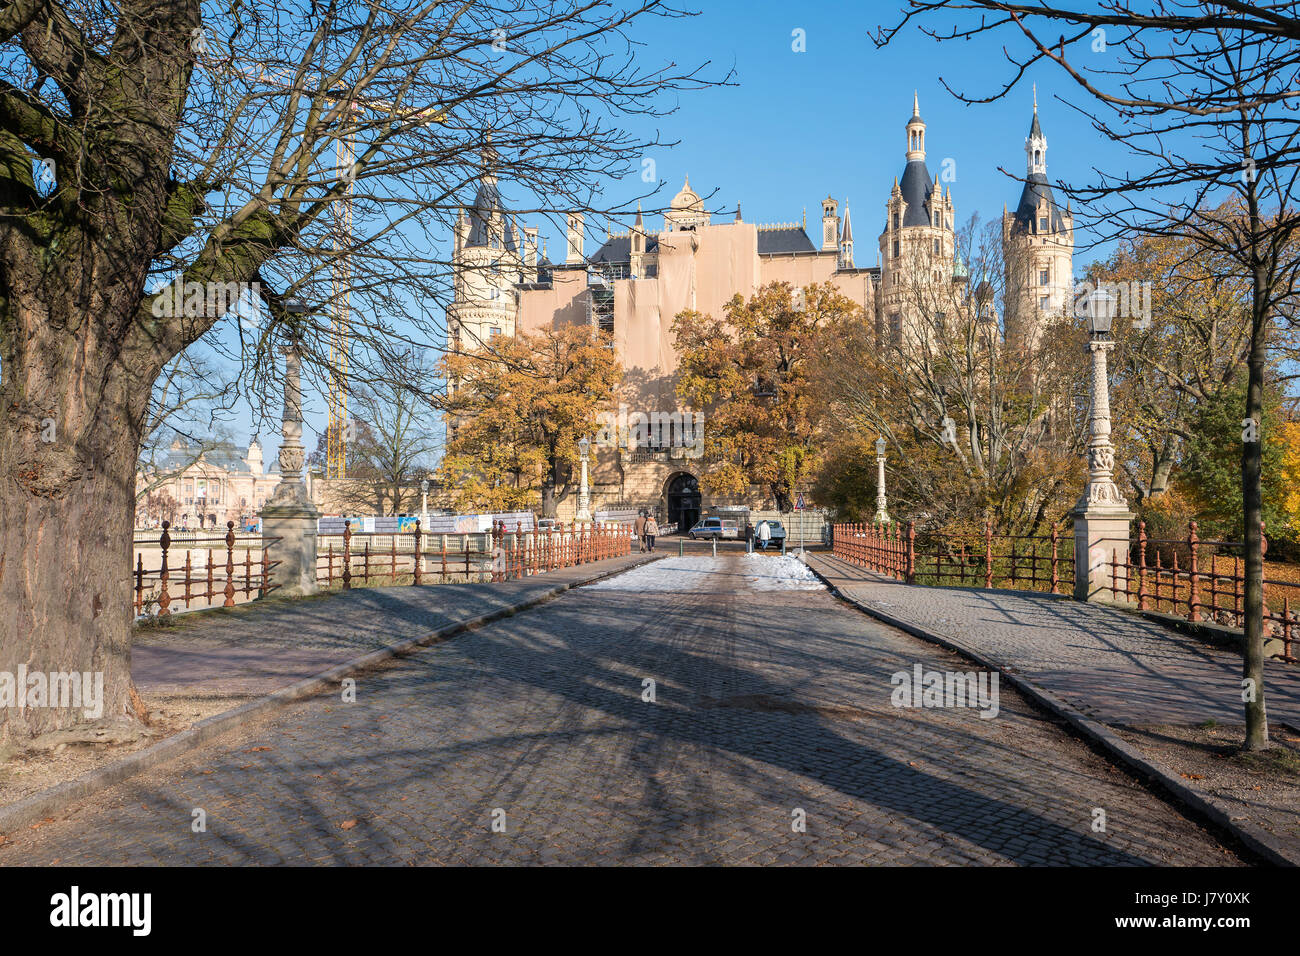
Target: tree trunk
[[1164, 464], [65, 541], [1253, 512]]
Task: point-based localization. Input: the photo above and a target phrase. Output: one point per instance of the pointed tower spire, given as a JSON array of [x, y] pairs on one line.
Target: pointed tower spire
[[738, 217], [1036, 145], [916, 133], [640, 222], [846, 242]]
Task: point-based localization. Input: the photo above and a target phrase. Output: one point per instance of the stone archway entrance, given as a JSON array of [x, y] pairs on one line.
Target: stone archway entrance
[[683, 494]]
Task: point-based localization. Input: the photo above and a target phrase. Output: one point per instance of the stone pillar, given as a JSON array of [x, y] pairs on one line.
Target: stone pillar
[[289, 515], [1101, 518]]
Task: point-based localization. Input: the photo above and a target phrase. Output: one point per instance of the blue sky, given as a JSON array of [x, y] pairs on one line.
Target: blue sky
[[797, 126]]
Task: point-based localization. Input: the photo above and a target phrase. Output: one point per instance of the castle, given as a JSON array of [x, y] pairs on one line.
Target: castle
[[637, 281]]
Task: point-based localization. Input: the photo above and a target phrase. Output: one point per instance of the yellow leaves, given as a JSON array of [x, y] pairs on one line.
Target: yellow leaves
[[1290, 477]]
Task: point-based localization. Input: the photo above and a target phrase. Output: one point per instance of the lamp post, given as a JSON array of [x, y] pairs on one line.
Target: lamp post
[[1101, 518], [584, 498], [882, 510], [424, 503], [1101, 453]]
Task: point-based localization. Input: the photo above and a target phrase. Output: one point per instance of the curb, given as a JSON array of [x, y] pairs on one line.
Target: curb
[[58, 798], [1257, 839]]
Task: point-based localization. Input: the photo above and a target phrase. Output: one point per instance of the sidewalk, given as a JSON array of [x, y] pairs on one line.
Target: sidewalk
[[258, 648], [1158, 691]]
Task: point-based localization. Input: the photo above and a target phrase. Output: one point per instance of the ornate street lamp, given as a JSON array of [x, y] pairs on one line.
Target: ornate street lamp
[[1101, 453], [882, 510], [1101, 518], [584, 498], [424, 504]]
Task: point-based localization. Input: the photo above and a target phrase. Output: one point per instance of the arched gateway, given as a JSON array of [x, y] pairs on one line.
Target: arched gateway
[[683, 493]]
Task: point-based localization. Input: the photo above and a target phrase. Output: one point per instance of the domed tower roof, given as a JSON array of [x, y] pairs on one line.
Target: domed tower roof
[[687, 198], [686, 210]]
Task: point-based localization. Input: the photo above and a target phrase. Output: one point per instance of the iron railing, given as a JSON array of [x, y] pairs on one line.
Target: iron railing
[[1203, 581], [218, 574], [1017, 561], [366, 559]]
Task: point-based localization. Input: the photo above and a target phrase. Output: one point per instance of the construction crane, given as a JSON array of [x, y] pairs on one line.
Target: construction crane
[[336, 435]]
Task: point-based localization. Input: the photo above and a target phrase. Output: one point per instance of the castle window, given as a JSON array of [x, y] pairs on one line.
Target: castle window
[[1042, 303], [895, 224], [895, 248], [936, 247], [1042, 276], [494, 331], [1042, 224], [895, 327], [938, 218], [495, 294]]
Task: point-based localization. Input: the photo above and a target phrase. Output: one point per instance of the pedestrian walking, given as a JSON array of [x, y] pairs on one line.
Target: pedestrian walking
[[651, 529], [639, 530], [764, 535]]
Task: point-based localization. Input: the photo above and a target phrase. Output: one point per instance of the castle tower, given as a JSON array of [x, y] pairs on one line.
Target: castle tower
[[1038, 246], [486, 265], [830, 225], [574, 256], [637, 254], [918, 241], [686, 210]]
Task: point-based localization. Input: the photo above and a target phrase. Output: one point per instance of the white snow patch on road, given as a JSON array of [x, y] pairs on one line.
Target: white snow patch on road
[[669, 574], [783, 572], [732, 573]]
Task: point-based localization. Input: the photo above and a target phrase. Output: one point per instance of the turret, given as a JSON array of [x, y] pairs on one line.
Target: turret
[[830, 225]]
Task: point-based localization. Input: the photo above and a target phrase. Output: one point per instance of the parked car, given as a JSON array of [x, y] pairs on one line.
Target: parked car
[[776, 535], [715, 528], [546, 524]]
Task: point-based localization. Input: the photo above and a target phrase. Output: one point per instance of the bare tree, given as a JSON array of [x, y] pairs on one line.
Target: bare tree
[[320, 150], [1202, 95]]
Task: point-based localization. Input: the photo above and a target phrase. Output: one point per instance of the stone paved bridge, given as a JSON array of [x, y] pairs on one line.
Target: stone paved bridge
[[772, 701]]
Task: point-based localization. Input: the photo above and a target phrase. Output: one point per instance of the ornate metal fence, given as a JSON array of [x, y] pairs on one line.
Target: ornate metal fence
[[1203, 581], [220, 572], [1025, 562], [367, 559]]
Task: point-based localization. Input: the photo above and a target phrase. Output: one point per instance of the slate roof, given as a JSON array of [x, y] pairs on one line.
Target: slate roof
[[772, 242], [619, 249], [1026, 216], [917, 185], [487, 201]]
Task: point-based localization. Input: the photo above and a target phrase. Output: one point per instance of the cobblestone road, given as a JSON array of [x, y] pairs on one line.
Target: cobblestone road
[[772, 700]]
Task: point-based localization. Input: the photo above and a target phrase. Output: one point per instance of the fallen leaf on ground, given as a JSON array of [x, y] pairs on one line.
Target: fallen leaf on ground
[[1194, 776], [256, 750], [347, 824]]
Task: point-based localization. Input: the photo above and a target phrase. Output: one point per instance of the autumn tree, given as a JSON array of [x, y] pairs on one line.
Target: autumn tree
[[516, 408], [314, 150], [749, 371]]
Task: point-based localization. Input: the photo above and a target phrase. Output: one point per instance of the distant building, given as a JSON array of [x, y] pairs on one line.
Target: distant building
[[204, 486]]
